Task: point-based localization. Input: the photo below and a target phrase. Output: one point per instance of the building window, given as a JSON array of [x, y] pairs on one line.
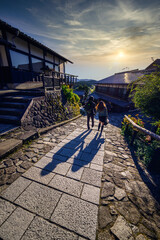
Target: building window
[[56, 68], [37, 65], [50, 65], [19, 60]]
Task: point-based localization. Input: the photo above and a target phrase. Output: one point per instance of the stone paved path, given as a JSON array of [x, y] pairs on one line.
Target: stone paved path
[[129, 206], [58, 197], [80, 176]]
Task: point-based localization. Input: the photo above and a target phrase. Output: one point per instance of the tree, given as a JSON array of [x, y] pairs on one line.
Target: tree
[[86, 91], [145, 93], [85, 88]]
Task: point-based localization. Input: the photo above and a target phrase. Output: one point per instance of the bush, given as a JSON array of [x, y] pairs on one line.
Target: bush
[[157, 125], [144, 147], [127, 128], [145, 93], [70, 96]]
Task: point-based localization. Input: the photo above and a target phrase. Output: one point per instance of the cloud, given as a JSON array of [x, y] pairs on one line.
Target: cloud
[[95, 31], [128, 11], [73, 22], [33, 10]]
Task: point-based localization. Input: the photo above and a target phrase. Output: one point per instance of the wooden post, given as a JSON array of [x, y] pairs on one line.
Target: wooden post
[[53, 82], [43, 82], [53, 75]]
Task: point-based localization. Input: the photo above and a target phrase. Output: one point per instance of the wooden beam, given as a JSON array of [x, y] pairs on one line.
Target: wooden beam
[[147, 132]]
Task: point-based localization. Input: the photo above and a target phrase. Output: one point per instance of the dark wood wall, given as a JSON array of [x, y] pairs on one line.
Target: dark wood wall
[[114, 90]]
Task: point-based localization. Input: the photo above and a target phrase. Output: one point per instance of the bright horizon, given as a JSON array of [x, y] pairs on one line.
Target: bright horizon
[[101, 37]]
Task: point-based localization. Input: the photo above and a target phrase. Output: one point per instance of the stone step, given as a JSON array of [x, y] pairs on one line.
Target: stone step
[[28, 93], [11, 111], [8, 146], [22, 99], [10, 119], [13, 105], [6, 127]]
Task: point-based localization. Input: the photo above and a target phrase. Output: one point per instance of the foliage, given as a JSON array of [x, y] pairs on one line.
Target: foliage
[[89, 83], [71, 97], [127, 126], [75, 109], [86, 91], [145, 93], [73, 100], [92, 89], [157, 125], [145, 150], [54, 107], [143, 145], [87, 86]]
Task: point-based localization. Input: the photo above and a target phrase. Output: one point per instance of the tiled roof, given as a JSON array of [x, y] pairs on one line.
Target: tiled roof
[[129, 76], [154, 64], [32, 40], [122, 78]]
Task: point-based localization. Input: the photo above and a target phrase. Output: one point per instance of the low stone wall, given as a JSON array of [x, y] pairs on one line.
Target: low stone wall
[[48, 110]]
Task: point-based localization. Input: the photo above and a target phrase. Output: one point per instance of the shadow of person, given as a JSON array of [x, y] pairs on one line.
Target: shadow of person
[[85, 156], [66, 152]]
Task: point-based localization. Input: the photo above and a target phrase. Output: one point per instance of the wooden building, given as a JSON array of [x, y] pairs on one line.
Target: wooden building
[[23, 59], [116, 86]]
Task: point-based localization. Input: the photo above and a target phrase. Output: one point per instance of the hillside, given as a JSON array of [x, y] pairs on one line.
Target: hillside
[[87, 82]]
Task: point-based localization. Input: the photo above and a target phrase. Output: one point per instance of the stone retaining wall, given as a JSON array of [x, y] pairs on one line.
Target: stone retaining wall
[[48, 110]]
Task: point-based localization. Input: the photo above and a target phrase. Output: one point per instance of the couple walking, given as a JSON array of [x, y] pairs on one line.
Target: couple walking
[[91, 110]]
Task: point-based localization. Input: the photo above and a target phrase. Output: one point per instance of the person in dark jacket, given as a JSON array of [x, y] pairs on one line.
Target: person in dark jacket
[[102, 114], [90, 110]]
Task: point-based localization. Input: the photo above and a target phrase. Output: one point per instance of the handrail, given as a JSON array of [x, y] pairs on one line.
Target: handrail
[[141, 129], [62, 73]]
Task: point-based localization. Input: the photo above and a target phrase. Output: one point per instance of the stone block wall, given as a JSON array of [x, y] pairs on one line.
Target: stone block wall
[[48, 110]]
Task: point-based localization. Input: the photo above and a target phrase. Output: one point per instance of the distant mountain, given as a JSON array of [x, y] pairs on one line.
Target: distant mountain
[[82, 82], [85, 80]]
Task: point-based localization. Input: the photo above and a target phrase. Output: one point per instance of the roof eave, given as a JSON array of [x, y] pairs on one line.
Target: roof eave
[[28, 38]]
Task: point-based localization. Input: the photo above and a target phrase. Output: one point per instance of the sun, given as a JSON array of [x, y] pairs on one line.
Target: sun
[[121, 54]]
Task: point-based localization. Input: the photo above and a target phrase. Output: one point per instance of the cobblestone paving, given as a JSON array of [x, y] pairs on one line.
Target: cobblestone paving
[[129, 206], [73, 176]]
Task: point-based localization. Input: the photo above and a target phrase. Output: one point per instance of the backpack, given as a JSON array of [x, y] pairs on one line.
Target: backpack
[[89, 108]]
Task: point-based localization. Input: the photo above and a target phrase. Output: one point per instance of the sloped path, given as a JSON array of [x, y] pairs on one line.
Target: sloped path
[[58, 197], [82, 175], [129, 206]]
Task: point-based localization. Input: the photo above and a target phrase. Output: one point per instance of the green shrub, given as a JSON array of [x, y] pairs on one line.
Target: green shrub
[[70, 96], [145, 93], [143, 145], [157, 125]]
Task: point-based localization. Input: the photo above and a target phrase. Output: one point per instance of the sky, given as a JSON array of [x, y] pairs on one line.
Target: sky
[[101, 37]]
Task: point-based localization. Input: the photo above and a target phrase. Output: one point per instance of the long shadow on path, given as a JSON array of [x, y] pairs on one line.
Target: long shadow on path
[[83, 157], [85, 154]]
